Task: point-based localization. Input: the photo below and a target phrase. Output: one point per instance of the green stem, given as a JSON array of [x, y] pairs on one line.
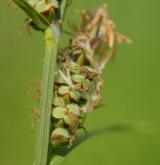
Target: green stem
[[51, 42], [46, 97], [63, 5]]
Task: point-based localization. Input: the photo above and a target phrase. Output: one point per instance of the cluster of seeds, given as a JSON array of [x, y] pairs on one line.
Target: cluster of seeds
[[78, 80]]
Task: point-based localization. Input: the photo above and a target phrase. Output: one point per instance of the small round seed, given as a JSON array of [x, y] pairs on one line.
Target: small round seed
[[73, 108], [58, 112], [59, 102], [60, 136]]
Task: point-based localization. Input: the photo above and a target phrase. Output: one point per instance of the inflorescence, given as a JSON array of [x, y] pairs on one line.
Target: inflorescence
[[78, 79]]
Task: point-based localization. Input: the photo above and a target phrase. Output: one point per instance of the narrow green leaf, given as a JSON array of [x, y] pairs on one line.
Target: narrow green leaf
[[146, 128], [37, 18], [63, 6]]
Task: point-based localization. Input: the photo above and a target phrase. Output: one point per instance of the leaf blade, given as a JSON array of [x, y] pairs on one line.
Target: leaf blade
[[37, 18]]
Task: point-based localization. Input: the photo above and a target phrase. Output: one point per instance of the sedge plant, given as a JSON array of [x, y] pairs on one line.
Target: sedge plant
[[72, 77]]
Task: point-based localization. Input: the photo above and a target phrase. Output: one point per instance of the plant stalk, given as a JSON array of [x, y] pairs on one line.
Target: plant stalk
[[46, 97], [52, 35]]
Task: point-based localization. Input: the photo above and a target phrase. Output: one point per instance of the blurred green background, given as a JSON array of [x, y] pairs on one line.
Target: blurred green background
[[131, 93]]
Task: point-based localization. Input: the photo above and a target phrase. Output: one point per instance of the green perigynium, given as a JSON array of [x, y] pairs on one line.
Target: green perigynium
[[45, 7]]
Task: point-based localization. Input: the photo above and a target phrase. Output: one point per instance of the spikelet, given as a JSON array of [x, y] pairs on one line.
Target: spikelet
[[78, 81]]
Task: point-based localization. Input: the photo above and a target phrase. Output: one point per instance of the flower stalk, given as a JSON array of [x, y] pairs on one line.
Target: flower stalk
[[46, 97]]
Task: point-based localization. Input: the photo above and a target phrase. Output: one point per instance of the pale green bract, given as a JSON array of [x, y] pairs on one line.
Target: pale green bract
[[42, 5]]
